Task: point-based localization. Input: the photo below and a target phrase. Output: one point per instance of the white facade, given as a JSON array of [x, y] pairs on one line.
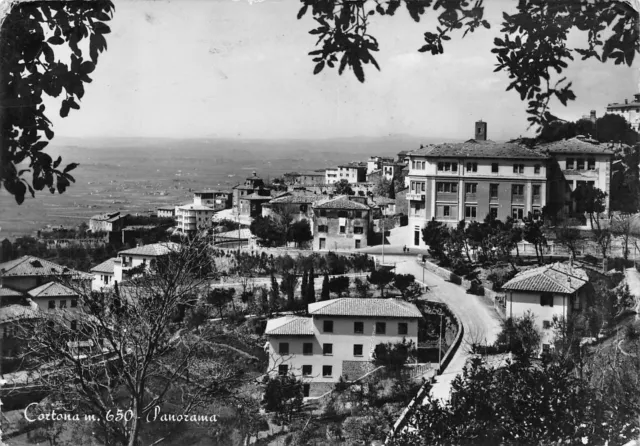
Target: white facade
[[343, 340], [331, 175], [629, 111], [192, 217]]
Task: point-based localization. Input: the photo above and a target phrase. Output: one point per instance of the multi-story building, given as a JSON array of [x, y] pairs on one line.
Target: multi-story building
[[109, 222], [559, 290], [249, 197], [216, 199], [191, 218], [630, 111], [331, 175], [574, 162], [468, 181], [166, 211], [308, 178], [297, 204], [337, 339], [145, 255], [352, 172], [342, 222], [29, 286]]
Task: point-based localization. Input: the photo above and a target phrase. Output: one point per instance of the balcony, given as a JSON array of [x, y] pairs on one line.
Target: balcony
[[416, 196]]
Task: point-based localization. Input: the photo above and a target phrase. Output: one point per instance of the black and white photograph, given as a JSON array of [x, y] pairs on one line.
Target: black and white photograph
[[319, 222]]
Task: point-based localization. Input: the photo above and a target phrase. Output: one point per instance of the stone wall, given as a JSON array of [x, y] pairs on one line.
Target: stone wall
[[352, 370]]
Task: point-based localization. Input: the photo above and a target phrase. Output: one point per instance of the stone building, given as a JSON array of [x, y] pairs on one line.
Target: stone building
[[342, 222]]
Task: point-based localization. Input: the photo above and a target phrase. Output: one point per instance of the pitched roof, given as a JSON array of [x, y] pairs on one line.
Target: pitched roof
[[256, 196], [167, 208], [290, 325], [33, 266], [578, 144], [105, 267], [245, 234], [51, 289], [383, 200], [298, 198], [155, 249], [549, 279], [110, 216], [212, 191], [8, 292], [365, 308], [479, 149], [341, 202], [15, 312], [195, 207]]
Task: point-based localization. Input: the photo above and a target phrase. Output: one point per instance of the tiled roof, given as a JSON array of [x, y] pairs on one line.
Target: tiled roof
[[365, 308], [549, 279], [341, 202], [8, 292], [212, 191], [478, 149], [51, 289], [105, 267], [298, 198], [195, 207], [155, 249], [15, 312], [111, 216], [577, 145], [381, 201], [290, 326], [256, 196], [33, 266], [244, 234], [167, 208], [354, 165]]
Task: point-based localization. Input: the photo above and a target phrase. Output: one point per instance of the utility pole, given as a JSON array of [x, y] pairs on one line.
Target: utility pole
[[382, 221], [440, 345]]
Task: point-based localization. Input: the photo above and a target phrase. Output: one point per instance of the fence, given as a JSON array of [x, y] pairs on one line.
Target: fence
[[583, 248]]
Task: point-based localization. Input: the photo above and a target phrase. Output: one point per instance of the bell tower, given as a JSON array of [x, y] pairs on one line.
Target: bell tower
[[481, 131]]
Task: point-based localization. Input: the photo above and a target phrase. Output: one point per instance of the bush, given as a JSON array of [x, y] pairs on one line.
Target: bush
[[591, 259], [257, 326], [500, 277], [236, 317], [619, 264]]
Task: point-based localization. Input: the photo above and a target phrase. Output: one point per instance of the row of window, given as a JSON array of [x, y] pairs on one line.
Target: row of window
[[307, 370], [517, 190], [471, 211], [63, 304], [358, 327], [579, 164], [327, 349], [445, 166], [342, 229], [344, 214]]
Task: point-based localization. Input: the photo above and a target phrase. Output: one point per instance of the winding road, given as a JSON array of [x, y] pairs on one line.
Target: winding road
[[480, 320]]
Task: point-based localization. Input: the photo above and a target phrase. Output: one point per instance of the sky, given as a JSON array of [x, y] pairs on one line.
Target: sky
[[240, 69]]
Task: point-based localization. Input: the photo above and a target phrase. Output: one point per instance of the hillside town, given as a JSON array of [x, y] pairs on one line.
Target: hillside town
[[268, 223], [399, 270]]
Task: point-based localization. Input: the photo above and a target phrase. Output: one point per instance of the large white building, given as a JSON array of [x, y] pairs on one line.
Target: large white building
[[337, 339], [468, 181], [191, 218]]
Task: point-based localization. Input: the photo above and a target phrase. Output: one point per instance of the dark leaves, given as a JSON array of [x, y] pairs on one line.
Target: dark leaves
[[34, 71], [70, 167]]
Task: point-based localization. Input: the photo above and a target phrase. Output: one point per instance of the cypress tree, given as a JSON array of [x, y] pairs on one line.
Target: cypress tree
[[324, 295], [392, 190], [310, 294], [303, 286]]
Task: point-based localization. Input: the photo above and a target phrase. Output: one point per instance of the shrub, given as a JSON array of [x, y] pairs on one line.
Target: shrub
[[591, 259], [236, 317]]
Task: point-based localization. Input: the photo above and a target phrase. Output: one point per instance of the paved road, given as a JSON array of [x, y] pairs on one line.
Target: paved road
[[480, 320]]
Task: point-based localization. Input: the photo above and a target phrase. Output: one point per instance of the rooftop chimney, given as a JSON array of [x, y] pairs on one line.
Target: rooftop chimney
[[481, 131], [593, 116], [626, 101]]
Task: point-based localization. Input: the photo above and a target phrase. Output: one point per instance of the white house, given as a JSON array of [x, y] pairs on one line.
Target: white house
[[141, 255], [337, 339], [549, 291], [192, 217], [103, 274]]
